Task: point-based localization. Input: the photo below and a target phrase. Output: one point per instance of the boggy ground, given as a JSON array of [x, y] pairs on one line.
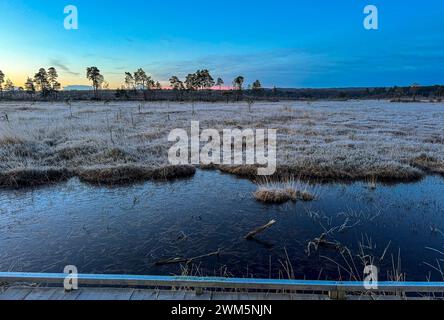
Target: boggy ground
[[123, 142]]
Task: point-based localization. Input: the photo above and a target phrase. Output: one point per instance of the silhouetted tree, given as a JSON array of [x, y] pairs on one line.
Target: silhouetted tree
[[29, 86], [52, 80], [176, 84], [439, 91], [41, 82], [204, 79], [398, 92], [2, 80], [219, 83], [142, 80], [238, 82], [93, 74], [129, 81], [257, 86], [158, 86], [191, 81], [414, 90], [9, 86], [275, 91], [201, 79]]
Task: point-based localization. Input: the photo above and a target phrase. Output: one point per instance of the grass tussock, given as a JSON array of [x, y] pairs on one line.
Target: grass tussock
[[246, 171], [117, 175], [281, 192], [21, 178], [129, 174], [429, 163], [326, 172], [275, 195], [387, 172], [173, 172]]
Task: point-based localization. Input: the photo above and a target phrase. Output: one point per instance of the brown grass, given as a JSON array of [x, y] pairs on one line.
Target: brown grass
[[20, 178], [246, 171], [327, 173], [429, 164], [281, 192], [275, 195], [173, 172], [129, 174], [5, 141]]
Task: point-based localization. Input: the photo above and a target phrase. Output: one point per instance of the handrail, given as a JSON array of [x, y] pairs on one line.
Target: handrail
[[222, 283]]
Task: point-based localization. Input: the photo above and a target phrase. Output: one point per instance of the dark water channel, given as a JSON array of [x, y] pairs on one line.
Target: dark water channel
[[127, 229]]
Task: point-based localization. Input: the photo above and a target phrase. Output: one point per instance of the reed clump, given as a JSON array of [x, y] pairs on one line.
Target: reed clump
[[284, 191]]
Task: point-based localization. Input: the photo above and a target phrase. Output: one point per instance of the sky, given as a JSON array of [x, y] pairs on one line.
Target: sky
[[287, 43]]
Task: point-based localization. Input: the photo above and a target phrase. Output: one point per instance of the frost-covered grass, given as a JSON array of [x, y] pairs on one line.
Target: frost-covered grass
[[283, 191], [321, 140]]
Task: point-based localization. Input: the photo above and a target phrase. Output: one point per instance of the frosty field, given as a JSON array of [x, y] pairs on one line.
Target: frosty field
[[111, 143]]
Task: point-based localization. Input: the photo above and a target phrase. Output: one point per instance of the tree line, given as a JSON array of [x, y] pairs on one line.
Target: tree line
[[46, 82]]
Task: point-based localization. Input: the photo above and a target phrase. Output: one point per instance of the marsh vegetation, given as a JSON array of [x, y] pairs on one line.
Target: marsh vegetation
[[115, 142]]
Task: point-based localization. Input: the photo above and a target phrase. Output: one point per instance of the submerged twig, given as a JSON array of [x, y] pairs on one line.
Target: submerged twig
[[255, 232]]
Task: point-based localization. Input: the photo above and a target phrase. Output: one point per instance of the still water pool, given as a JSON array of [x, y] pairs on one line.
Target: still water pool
[[128, 229]]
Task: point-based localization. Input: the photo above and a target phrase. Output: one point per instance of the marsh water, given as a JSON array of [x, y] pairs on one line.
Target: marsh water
[[127, 229]]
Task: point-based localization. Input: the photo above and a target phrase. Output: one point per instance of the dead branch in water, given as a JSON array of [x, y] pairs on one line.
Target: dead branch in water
[[322, 242], [255, 232], [186, 260]]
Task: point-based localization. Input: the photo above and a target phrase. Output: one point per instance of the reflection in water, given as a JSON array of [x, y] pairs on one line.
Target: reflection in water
[[126, 230]]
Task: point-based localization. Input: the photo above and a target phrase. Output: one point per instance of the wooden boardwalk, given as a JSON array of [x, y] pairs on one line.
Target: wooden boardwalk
[[38, 286], [27, 293]]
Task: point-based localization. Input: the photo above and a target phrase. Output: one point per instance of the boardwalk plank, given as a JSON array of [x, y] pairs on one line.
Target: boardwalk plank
[[192, 296], [171, 295], [15, 293], [41, 294], [61, 294], [105, 294], [140, 294]]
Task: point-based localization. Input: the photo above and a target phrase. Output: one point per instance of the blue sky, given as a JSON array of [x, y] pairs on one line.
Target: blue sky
[[288, 43]]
